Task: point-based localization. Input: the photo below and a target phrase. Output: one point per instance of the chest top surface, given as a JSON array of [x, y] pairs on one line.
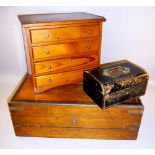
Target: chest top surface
[[71, 94], [57, 17]]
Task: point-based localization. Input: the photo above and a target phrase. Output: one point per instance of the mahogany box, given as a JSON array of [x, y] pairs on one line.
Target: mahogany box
[[115, 82], [67, 112]]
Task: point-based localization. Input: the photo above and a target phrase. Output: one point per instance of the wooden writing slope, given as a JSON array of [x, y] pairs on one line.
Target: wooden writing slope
[[67, 112]]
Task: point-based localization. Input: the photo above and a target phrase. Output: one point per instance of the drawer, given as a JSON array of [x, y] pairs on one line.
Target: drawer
[[64, 33], [67, 64], [56, 132], [58, 79], [77, 121], [71, 49]]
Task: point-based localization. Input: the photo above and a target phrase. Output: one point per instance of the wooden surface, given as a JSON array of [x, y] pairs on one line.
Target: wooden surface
[[58, 39], [64, 33], [67, 112], [67, 64], [25, 93], [71, 94], [54, 132], [60, 78], [74, 121], [57, 17], [65, 50]]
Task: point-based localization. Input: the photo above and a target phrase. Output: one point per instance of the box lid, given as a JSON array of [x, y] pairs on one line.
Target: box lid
[[115, 76], [36, 19]]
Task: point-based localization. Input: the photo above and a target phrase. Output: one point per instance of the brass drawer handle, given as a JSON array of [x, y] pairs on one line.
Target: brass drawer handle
[[88, 47], [74, 120], [47, 52], [50, 80], [47, 35], [49, 67]]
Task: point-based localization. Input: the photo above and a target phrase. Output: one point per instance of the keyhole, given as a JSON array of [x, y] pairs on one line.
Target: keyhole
[[50, 80], [74, 120]]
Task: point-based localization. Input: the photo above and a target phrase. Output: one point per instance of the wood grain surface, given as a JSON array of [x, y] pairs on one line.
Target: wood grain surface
[[67, 64], [55, 37], [64, 50], [69, 112], [64, 33]]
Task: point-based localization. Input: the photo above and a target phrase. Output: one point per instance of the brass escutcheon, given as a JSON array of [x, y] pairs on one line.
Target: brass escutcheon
[[74, 120]]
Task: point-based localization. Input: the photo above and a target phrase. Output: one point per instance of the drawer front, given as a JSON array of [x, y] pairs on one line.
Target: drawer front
[[64, 33], [77, 121], [55, 132], [67, 64], [72, 49], [58, 79]]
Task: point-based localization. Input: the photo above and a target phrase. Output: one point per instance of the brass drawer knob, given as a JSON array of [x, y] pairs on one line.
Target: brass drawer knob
[[49, 67], [74, 120], [89, 31], [47, 35], [47, 52], [88, 47], [50, 80]]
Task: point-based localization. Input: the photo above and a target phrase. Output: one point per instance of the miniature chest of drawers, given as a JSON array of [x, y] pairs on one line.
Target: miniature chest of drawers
[[67, 112], [60, 46]]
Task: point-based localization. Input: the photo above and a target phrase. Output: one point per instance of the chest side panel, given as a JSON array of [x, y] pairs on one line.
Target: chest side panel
[[114, 123]]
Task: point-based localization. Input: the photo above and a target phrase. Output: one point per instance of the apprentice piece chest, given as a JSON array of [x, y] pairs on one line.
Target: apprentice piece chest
[[67, 112], [60, 46]]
